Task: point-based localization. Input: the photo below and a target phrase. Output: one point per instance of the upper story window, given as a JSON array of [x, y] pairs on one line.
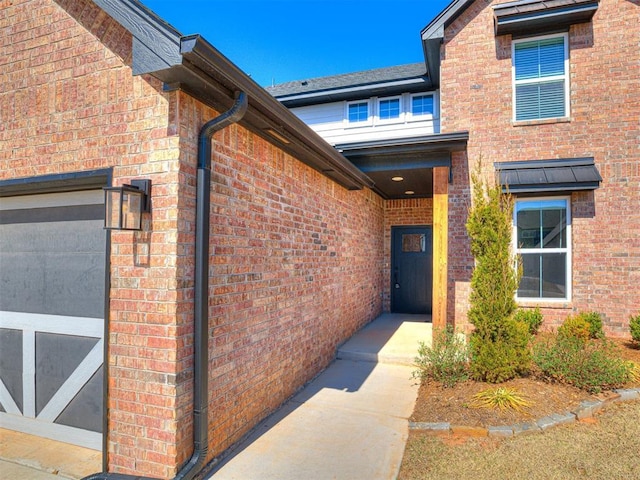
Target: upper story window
[[422, 105], [542, 233], [541, 78], [389, 108], [358, 112]]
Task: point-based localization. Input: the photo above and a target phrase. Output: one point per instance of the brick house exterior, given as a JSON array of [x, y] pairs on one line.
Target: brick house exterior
[[100, 92], [296, 255], [469, 63], [603, 123]]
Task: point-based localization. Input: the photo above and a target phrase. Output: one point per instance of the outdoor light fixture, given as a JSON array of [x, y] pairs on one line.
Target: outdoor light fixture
[[124, 205]]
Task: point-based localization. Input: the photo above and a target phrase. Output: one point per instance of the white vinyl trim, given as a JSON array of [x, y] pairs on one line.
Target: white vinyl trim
[[567, 250], [54, 431], [60, 324]]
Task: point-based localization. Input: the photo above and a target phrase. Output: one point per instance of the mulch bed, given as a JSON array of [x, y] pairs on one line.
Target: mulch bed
[[438, 404]]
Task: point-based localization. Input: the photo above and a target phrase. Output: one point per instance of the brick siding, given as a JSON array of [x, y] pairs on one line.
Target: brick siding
[[296, 262], [476, 95]]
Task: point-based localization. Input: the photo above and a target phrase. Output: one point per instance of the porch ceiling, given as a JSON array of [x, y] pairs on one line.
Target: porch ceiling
[[409, 159]]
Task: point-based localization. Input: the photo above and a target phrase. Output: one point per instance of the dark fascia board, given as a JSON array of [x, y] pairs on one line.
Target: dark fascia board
[[433, 35], [155, 42], [450, 142], [406, 153], [195, 66], [509, 19], [410, 85]]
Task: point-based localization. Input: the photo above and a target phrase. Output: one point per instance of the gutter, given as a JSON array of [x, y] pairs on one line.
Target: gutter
[[201, 303]]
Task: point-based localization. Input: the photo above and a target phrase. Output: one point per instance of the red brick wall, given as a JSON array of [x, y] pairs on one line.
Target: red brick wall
[[418, 211], [476, 95], [296, 269], [296, 259]]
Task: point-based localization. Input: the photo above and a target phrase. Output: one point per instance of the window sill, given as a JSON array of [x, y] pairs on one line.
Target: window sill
[[544, 121], [561, 304]]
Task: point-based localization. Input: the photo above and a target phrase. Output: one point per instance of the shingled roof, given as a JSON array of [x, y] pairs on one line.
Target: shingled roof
[[351, 85]]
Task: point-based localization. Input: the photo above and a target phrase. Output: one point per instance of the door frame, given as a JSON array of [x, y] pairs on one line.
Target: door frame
[[428, 284]]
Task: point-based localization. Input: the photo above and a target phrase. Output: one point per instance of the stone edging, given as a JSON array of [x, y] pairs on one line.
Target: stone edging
[[586, 409]]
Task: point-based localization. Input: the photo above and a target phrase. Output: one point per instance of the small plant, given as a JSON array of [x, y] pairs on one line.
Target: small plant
[[533, 319], [594, 319], [501, 398], [591, 366], [446, 361], [634, 326], [576, 328]]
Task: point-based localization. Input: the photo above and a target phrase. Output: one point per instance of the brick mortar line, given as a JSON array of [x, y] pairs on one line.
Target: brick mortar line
[[586, 409]]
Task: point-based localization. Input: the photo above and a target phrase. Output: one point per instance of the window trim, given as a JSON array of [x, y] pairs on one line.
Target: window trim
[[401, 110], [422, 116], [360, 123], [565, 77], [568, 249]]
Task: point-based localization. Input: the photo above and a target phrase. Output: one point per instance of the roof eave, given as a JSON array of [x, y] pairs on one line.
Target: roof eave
[[433, 35], [195, 66], [356, 92]]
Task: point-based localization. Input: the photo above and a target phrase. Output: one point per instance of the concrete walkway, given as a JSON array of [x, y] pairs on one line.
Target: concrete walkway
[[351, 422]]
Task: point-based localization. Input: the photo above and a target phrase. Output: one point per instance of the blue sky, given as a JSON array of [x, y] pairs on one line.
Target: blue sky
[[283, 40]]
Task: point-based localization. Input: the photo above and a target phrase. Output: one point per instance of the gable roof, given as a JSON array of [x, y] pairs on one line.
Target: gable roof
[[352, 86], [192, 64]]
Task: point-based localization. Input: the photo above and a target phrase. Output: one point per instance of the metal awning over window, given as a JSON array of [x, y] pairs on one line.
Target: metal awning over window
[[526, 17], [536, 176]]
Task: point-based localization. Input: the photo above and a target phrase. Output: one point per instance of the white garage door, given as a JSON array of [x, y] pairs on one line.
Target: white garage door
[[52, 279]]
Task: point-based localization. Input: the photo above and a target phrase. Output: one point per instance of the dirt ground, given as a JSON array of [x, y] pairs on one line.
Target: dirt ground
[[438, 404], [605, 447]]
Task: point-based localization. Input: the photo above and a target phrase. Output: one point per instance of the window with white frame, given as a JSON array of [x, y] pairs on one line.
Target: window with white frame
[[541, 78], [422, 105], [389, 108], [358, 112], [542, 234]]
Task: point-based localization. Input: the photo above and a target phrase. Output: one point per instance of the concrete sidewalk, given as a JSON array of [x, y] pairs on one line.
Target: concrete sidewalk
[[351, 422]]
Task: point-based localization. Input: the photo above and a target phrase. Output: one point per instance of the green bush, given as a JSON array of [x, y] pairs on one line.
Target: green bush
[[634, 326], [577, 328], [446, 361], [506, 357], [498, 346], [594, 319], [533, 318], [591, 366]]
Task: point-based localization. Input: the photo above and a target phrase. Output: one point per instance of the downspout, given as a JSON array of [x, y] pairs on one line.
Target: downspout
[[201, 312]]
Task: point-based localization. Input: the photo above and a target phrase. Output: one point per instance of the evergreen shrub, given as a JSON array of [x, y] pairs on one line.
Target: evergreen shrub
[[499, 343]]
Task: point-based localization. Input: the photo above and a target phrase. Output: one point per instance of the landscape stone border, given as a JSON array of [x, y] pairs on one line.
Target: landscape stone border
[[586, 409]]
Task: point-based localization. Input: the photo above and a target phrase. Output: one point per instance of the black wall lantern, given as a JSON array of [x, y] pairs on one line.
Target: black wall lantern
[[124, 205]]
